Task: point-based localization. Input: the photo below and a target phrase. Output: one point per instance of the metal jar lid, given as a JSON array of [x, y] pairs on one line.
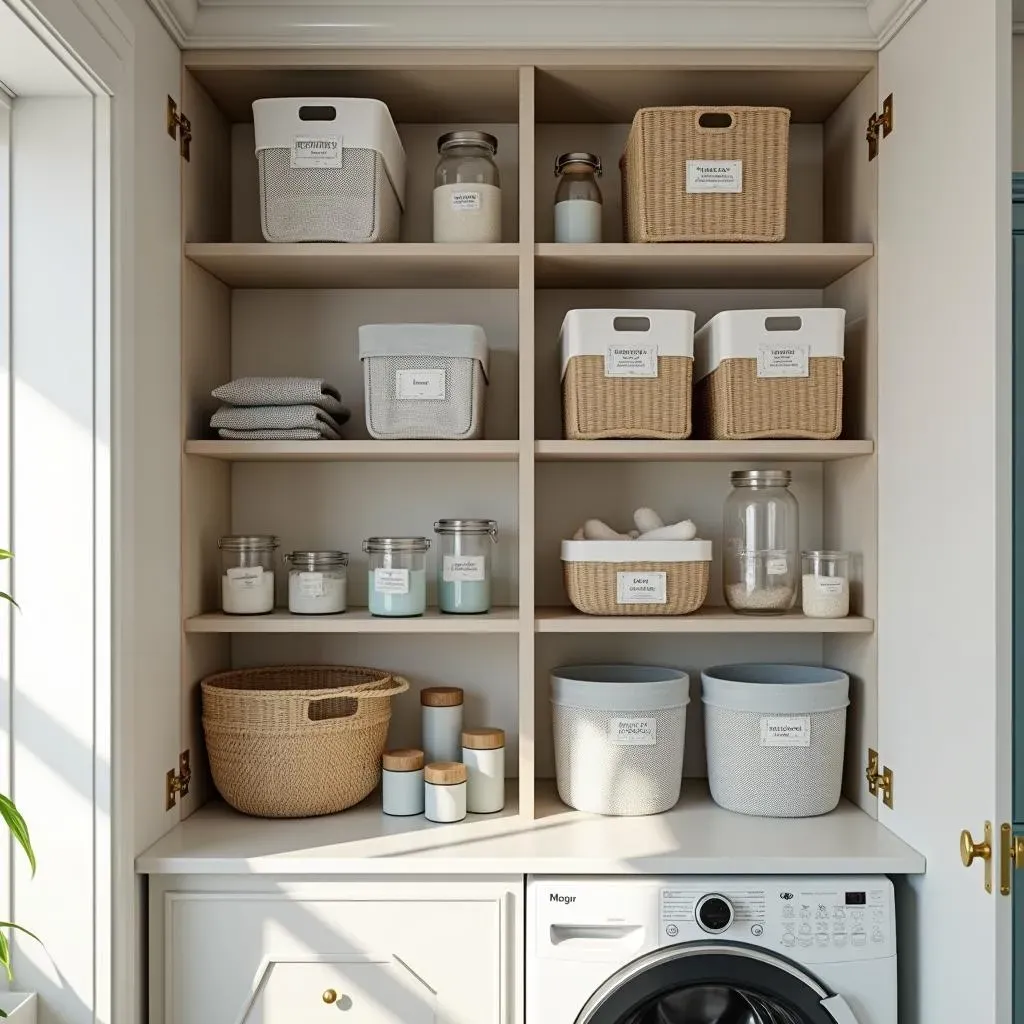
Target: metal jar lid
[[477, 526], [395, 544], [761, 478], [590, 159], [466, 137], [255, 542], [312, 561]]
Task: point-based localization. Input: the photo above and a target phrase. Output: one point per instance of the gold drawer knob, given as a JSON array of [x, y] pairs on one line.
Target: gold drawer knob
[[329, 996], [971, 851]]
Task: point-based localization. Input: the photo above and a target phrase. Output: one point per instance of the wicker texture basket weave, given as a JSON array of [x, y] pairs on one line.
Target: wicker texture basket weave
[[655, 204], [734, 404], [595, 406], [593, 587], [297, 741]]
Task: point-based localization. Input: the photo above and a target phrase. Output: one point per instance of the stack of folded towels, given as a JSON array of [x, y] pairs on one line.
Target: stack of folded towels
[[279, 409]]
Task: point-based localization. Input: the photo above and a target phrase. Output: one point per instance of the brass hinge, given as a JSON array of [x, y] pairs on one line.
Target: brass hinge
[[879, 127], [179, 126], [178, 781], [879, 781]]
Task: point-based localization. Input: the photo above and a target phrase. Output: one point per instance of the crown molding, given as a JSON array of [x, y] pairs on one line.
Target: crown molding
[[536, 24], [887, 17]]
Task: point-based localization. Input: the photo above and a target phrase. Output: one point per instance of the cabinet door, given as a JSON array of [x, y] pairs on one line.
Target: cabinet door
[[944, 459]]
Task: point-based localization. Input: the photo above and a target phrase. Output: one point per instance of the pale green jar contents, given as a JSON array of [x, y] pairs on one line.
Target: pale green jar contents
[[397, 575], [464, 565]]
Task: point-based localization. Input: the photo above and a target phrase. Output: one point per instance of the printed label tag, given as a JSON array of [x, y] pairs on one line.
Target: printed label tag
[[714, 175], [311, 584], [777, 566], [641, 588], [420, 385], [245, 579], [467, 569], [830, 586], [325, 151], [391, 581], [786, 731], [631, 361], [783, 360], [465, 202], [633, 732]]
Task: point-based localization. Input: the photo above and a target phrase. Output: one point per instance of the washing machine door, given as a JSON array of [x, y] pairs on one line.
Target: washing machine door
[[714, 983]]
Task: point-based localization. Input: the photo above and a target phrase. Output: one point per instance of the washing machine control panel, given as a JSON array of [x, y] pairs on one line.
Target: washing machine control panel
[[835, 919]]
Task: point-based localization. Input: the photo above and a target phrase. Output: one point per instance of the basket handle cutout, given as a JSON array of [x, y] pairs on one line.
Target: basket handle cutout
[[639, 324], [715, 120], [327, 708], [318, 113], [783, 323]]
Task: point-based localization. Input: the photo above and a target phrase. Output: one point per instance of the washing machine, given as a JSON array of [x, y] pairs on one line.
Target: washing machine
[[697, 950]]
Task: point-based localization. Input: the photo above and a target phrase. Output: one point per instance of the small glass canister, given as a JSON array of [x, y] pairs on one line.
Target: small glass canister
[[317, 582], [441, 722], [483, 753], [467, 188], [397, 575], [247, 580], [445, 791], [464, 564], [578, 199], [826, 584], [402, 782]]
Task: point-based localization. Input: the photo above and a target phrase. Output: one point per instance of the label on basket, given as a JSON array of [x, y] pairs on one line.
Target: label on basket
[[776, 566], [633, 732], [465, 201], [311, 584], [714, 175], [467, 569], [245, 579], [325, 151], [631, 361], [786, 731], [391, 581], [420, 385], [641, 588], [783, 360]]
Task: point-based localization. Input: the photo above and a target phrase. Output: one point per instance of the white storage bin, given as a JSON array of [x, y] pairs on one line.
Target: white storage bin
[[331, 170], [627, 373], [619, 732], [424, 381], [770, 373], [775, 738]]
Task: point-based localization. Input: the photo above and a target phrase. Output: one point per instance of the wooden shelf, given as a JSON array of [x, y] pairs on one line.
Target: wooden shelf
[[356, 451], [356, 620], [381, 265], [701, 451], [695, 838], [698, 265], [707, 620]]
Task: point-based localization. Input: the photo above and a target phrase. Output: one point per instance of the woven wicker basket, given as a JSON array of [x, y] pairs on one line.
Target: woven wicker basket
[[656, 205], [297, 741]]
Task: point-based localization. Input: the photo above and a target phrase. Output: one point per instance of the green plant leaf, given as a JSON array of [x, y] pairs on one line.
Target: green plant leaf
[[4, 555], [7, 597], [19, 829], [5, 956]]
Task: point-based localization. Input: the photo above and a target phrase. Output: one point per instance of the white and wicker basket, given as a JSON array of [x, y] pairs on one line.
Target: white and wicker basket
[[619, 732], [775, 738], [331, 170], [424, 381]]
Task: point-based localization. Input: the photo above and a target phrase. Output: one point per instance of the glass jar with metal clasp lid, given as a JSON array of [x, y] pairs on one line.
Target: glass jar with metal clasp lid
[[317, 582], [467, 188], [247, 574], [397, 575], [464, 564], [578, 203]]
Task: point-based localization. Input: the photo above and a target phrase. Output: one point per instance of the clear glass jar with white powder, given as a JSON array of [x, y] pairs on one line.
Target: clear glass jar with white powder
[[247, 574], [826, 584], [578, 203], [317, 582], [467, 188]]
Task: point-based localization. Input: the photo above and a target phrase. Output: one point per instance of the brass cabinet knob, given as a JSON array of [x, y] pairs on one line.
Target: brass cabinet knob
[[970, 851], [1017, 849], [329, 996]]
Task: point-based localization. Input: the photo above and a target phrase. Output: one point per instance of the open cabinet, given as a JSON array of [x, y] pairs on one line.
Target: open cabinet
[[911, 485]]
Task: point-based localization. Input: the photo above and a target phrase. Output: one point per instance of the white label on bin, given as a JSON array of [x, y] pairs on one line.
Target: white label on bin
[[783, 360], [465, 201], [631, 361], [311, 584], [714, 175], [786, 731], [467, 569], [830, 586], [419, 385], [245, 579], [641, 588], [633, 732], [325, 151], [391, 581], [777, 567]]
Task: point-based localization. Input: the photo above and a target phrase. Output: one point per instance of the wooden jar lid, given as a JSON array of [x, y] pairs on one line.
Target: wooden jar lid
[[445, 773], [483, 739], [403, 760], [441, 697]]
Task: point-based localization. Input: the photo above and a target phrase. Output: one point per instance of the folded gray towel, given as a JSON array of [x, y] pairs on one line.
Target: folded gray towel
[[249, 391], [278, 417], [298, 434]]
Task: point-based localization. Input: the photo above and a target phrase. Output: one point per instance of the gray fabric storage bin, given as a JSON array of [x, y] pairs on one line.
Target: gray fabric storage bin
[[775, 738]]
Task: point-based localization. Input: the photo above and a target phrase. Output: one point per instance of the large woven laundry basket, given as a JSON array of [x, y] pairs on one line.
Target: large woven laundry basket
[[297, 740]]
